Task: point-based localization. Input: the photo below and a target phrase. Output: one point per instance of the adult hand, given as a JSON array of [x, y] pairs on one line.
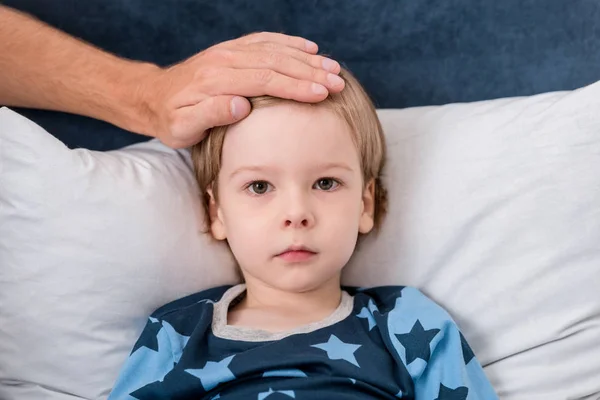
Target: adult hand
[[210, 88]]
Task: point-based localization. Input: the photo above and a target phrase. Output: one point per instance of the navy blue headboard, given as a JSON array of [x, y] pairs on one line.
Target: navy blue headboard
[[405, 52]]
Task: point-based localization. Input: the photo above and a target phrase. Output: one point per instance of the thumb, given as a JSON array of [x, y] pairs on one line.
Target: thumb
[[213, 111], [220, 110]]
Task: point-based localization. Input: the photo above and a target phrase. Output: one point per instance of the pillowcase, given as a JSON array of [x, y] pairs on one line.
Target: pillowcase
[[494, 213], [90, 244]]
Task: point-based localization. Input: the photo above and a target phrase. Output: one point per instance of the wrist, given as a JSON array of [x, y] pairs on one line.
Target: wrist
[[133, 106]]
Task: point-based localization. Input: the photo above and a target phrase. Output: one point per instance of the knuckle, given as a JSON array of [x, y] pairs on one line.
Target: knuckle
[[219, 54], [205, 74], [179, 134], [295, 87], [273, 59], [270, 46], [316, 74], [263, 76]]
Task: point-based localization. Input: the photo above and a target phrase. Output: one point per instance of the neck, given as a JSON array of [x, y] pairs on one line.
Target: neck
[[320, 301]]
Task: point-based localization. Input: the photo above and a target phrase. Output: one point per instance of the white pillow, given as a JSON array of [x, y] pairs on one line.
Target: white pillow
[[90, 244], [494, 212]]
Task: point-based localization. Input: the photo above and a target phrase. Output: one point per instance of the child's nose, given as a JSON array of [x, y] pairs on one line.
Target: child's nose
[[298, 214]]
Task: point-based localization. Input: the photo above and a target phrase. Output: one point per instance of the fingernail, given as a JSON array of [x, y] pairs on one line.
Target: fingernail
[[329, 65], [310, 46], [318, 89], [334, 80], [237, 107]]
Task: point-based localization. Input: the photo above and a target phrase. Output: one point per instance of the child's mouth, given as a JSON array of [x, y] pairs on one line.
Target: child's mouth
[[296, 255]]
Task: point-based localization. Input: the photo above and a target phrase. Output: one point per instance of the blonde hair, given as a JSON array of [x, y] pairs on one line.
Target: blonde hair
[[352, 104]]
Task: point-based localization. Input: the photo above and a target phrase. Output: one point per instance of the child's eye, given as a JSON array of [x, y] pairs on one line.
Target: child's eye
[[326, 184], [259, 187]]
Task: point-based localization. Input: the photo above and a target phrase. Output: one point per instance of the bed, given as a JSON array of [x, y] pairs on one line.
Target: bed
[[491, 112]]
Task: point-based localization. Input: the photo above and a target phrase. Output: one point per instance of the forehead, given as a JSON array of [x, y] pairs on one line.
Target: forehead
[[289, 134]]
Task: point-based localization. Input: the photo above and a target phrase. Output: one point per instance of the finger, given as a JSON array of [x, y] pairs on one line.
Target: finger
[[259, 82], [288, 65], [291, 41], [193, 121], [271, 50], [265, 54]]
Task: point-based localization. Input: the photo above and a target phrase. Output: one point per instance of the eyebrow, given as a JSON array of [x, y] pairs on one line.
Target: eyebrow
[[262, 168]]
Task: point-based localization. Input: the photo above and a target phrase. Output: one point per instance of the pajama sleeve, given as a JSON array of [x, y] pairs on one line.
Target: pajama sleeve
[[150, 360], [434, 351]]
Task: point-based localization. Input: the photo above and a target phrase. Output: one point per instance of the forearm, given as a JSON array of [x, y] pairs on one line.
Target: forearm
[[42, 67]]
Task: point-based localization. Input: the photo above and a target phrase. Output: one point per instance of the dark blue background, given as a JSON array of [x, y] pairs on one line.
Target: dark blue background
[[405, 52]]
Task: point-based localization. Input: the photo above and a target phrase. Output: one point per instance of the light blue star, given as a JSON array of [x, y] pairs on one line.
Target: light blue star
[[178, 341], [287, 373], [264, 395], [213, 373], [338, 350], [218, 396], [372, 306], [156, 366], [352, 380], [399, 394], [366, 314]]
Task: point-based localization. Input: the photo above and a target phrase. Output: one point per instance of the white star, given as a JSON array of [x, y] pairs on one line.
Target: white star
[[338, 350], [213, 373]]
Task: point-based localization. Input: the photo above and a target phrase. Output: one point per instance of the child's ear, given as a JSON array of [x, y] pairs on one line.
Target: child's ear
[[366, 222], [217, 227]]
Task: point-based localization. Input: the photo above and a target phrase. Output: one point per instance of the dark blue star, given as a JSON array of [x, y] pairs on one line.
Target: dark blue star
[[416, 342], [460, 393], [467, 352], [148, 338], [466, 349]]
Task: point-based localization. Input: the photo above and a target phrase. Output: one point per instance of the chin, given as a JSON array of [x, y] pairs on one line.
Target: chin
[[296, 284]]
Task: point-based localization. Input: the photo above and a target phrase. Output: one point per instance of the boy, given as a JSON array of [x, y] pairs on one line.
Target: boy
[[291, 188]]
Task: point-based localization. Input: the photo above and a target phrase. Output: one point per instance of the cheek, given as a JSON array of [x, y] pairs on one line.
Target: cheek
[[345, 209], [247, 215], [246, 226]]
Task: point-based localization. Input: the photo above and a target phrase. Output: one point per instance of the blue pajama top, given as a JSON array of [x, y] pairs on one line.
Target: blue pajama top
[[381, 343]]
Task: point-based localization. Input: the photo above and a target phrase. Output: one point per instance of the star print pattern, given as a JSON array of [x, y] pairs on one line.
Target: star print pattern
[[213, 373], [148, 338], [466, 349], [264, 395], [417, 341], [338, 350], [460, 393], [366, 314], [373, 350]]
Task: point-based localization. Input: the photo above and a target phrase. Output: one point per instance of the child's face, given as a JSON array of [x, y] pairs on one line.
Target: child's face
[[291, 176]]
